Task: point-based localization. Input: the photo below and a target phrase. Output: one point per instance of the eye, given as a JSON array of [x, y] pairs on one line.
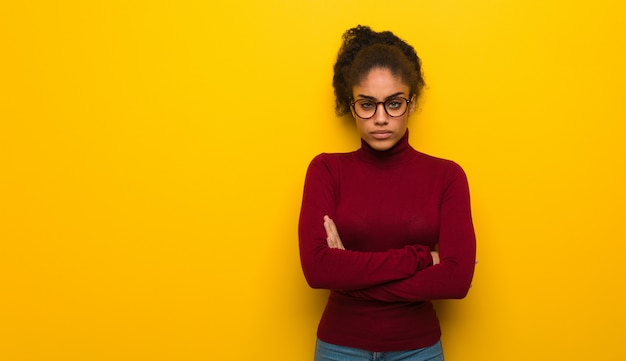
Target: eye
[[366, 105], [394, 103]]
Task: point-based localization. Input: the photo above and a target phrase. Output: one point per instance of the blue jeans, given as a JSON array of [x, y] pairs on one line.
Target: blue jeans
[[328, 352]]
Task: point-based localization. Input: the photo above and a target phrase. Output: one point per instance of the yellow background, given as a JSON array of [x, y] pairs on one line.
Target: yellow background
[[152, 156]]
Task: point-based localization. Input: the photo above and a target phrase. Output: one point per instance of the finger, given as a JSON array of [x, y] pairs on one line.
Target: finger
[[327, 229], [330, 240], [335, 235], [328, 226], [333, 228], [333, 240]]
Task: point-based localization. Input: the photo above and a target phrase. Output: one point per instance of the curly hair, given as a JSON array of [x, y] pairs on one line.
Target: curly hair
[[363, 50]]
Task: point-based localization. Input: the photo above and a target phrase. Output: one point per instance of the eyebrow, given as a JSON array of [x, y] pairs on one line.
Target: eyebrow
[[394, 95]]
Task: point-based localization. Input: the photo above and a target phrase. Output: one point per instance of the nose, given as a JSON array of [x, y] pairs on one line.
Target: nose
[[380, 117]]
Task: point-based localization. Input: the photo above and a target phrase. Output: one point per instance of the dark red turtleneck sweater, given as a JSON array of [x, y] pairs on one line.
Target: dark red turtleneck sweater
[[391, 208]]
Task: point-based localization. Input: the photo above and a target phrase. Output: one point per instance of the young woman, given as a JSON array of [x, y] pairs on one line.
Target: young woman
[[385, 228]]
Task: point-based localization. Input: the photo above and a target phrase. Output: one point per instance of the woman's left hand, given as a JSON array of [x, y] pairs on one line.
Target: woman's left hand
[[332, 236]]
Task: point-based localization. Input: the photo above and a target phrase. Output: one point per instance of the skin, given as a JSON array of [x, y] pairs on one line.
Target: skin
[[381, 131]]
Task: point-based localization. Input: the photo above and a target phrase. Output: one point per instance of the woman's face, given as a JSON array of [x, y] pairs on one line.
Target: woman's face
[[382, 131]]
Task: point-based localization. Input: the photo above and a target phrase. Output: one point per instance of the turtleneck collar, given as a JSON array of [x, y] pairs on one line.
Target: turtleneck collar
[[399, 153]]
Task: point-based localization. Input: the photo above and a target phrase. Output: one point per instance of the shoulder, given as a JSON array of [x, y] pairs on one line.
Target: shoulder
[[331, 159], [441, 166], [327, 167]]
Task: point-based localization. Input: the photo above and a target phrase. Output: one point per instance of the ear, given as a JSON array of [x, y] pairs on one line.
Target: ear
[[353, 113], [412, 105]]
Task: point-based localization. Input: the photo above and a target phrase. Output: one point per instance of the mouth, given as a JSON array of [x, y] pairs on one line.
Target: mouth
[[381, 134]]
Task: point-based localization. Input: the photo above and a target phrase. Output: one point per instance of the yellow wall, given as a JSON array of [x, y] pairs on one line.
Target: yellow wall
[[152, 155]]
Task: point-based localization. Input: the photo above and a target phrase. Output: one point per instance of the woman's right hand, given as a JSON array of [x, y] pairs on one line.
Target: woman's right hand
[[332, 236]]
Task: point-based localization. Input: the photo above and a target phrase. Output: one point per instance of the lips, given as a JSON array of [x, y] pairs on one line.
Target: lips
[[381, 134]]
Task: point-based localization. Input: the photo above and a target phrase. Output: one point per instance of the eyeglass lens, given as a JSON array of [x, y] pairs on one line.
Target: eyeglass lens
[[394, 107]]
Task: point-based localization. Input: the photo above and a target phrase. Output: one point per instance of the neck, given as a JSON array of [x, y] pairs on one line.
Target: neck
[[400, 152]]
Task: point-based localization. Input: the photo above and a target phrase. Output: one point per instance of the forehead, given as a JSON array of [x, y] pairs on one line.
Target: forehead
[[380, 83]]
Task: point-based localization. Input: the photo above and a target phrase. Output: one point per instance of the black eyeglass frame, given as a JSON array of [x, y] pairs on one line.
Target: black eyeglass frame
[[407, 101]]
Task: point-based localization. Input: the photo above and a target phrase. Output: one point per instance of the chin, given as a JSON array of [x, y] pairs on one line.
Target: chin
[[382, 145]]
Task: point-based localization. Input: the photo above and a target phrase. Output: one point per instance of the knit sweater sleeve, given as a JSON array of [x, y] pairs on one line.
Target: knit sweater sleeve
[[346, 270], [451, 278]]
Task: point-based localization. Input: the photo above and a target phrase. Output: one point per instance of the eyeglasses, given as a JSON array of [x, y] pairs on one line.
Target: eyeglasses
[[394, 107]]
